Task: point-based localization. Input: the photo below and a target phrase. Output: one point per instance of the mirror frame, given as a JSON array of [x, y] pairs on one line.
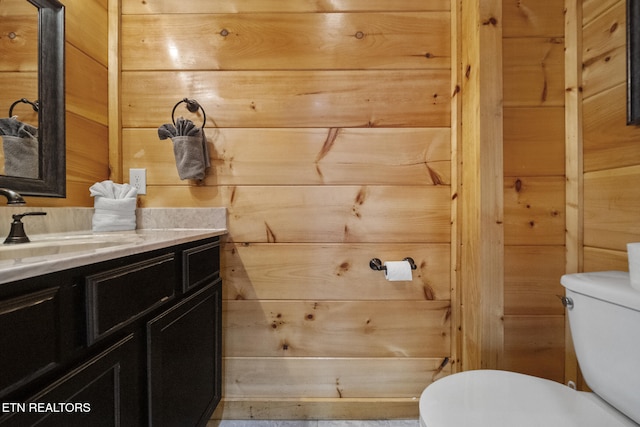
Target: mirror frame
[[51, 114], [633, 63]]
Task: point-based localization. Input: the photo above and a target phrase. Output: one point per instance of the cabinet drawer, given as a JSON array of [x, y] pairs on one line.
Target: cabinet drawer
[[117, 297], [30, 327], [200, 264]]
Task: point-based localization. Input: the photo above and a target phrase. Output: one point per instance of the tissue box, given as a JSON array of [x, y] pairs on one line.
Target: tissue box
[[114, 214]]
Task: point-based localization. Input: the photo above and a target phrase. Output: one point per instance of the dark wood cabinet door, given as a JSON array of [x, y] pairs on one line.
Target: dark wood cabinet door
[[184, 351], [104, 391], [30, 334]]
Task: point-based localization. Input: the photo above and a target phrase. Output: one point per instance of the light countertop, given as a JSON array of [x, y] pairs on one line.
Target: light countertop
[[54, 250]]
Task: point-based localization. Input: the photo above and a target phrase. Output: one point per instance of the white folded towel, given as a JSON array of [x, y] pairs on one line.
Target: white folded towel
[[114, 206], [112, 190]]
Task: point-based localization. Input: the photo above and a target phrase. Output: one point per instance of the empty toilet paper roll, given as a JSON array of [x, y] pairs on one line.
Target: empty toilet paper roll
[[397, 271], [633, 254]]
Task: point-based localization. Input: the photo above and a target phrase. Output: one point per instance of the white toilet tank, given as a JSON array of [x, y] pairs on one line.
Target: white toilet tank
[[605, 327]]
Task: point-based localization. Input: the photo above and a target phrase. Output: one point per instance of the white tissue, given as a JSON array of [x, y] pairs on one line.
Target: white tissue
[[633, 254], [398, 271]]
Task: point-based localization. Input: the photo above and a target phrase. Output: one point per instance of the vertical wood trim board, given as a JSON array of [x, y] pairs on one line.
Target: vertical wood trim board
[[115, 121], [482, 199], [456, 188], [573, 159]]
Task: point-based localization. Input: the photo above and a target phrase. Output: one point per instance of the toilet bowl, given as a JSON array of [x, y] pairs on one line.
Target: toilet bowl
[[604, 317], [486, 398]]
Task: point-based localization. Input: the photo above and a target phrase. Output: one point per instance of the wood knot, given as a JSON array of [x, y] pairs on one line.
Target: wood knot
[[224, 32], [491, 21], [344, 267], [518, 185], [359, 35], [429, 294]]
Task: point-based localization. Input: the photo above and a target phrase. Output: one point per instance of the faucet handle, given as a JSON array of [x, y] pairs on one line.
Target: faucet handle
[[17, 234], [18, 217]]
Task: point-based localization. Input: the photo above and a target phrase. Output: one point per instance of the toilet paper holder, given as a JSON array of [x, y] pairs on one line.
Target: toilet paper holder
[[377, 265]]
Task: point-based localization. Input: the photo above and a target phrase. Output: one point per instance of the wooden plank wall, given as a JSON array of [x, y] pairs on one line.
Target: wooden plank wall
[[331, 147], [534, 198], [611, 148], [86, 92], [86, 24]]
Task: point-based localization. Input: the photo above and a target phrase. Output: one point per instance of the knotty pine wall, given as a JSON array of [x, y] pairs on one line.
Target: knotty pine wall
[[611, 148], [534, 198], [87, 97], [86, 88], [331, 146]]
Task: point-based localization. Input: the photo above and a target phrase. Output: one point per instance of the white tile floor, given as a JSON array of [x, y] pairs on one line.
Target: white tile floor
[[315, 423]]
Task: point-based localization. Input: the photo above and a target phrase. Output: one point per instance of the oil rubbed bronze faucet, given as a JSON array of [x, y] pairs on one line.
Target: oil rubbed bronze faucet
[[17, 234], [13, 198]]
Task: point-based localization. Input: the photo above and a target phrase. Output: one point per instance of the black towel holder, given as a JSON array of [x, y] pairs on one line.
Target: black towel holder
[[376, 264], [192, 106], [35, 105]]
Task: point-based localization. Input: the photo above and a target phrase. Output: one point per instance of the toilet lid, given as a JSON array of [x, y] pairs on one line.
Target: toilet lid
[[486, 398]]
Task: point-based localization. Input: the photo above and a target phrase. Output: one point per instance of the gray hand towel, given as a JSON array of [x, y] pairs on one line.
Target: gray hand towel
[[20, 144], [189, 148]]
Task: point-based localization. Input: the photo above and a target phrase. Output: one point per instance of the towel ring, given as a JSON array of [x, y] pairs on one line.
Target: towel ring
[[35, 105], [192, 106]]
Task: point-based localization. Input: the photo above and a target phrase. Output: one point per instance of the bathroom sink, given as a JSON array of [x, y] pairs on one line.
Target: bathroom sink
[[41, 246]]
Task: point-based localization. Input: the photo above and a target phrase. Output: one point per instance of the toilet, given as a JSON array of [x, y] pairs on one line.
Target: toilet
[[604, 317]]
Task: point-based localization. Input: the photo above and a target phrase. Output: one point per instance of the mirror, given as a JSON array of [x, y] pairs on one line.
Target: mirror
[[49, 176]]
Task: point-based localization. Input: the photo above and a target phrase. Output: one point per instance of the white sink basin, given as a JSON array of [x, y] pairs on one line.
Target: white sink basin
[[53, 245]]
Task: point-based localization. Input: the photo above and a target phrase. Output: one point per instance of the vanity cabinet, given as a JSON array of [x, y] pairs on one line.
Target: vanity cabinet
[[131, 341]]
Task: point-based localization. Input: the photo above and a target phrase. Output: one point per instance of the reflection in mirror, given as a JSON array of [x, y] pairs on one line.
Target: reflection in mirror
[[32, 108], [20, 146], [19, 152]]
